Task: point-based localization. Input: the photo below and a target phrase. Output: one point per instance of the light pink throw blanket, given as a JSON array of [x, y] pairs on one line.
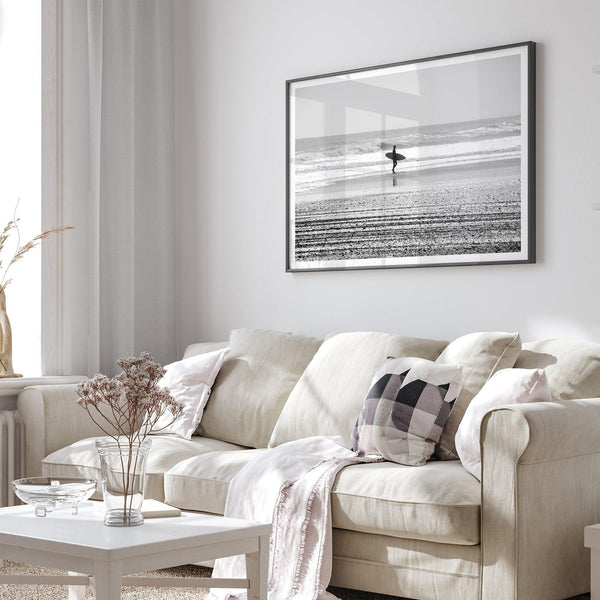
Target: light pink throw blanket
[[289, 486]]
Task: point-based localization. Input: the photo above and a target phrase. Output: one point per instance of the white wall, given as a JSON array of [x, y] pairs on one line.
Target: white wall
[[232, 60]]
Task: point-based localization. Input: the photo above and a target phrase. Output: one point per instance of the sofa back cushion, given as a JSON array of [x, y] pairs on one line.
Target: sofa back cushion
[[260, 371], [481, 355], [572, 367], [329, 396], [203, 348]]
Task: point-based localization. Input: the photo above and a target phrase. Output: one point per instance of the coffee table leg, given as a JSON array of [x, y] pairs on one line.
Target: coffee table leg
[[257, 566], [107, 580], [76, 592]]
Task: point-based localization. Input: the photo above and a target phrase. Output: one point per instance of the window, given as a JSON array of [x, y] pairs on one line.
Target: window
[[20, 169]]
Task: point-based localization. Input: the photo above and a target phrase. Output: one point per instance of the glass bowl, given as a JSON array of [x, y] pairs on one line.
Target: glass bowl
[[48, 493]]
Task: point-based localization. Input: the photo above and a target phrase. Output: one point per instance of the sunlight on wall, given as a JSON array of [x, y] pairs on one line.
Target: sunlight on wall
[[20, 170]]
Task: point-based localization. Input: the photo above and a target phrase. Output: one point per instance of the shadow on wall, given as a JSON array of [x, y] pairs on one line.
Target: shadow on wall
[[544, 326]]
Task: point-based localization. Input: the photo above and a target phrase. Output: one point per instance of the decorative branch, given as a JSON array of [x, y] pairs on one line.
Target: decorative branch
[[21, 249]]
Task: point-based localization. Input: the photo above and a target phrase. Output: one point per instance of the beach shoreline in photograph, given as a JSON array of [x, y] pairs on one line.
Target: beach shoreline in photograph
[[456, 198]]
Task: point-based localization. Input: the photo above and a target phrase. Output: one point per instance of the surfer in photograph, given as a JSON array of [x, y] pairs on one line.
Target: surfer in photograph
[[395, 157]]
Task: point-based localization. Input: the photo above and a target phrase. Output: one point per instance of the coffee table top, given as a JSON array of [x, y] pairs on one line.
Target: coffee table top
[[86, 535]]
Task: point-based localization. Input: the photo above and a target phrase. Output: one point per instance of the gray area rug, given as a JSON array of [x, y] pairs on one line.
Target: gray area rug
[[33, 592]]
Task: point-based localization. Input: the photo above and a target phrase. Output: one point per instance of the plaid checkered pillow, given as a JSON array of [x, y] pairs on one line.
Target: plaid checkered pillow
[[406, 409]]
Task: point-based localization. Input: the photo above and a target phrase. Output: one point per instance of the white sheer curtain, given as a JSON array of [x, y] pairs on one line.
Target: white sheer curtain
[[115, 184]]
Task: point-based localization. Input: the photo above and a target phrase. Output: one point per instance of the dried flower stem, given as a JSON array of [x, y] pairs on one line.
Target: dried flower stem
[[20, 250]]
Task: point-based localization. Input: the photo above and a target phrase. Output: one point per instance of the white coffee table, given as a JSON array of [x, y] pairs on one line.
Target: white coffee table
[[83, 544]]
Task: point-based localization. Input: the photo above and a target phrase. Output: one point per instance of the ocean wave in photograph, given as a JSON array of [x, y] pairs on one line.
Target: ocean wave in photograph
[[457, 192]]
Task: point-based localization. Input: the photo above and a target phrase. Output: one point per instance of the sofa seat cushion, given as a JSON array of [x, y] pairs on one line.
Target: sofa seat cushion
[[437, 502], [201, 482], [81, 459]]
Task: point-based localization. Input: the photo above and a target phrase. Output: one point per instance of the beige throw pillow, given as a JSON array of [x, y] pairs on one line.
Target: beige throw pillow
[[258, 374], [481, 355], [572, 366], [329, 396]]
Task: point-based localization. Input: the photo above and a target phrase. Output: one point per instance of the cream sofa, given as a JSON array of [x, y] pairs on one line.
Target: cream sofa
[[431, 532]]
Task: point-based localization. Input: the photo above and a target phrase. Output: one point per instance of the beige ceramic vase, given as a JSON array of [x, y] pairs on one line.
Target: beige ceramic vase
[[6, 368]]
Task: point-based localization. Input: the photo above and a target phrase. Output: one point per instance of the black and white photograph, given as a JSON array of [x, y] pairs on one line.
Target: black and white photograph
[[421, 163]]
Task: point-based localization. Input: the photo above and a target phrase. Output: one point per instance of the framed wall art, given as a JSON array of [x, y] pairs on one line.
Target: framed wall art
[[428, 162]]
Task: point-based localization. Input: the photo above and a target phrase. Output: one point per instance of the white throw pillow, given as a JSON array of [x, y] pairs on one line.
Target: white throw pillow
[[508, 386], [189, 381]]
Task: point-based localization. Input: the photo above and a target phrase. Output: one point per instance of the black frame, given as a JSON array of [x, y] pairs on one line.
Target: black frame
[[530, 135]]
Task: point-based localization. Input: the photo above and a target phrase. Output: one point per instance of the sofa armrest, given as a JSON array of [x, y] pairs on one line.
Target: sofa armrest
[[540, 488], [52, 420]]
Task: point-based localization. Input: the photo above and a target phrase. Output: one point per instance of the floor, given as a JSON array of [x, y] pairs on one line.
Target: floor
[[13, 592]]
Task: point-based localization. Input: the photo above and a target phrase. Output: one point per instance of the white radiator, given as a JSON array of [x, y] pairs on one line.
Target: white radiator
[[12, 454]]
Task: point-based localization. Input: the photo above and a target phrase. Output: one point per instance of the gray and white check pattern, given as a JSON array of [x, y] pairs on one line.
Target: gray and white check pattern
[[406, 409]]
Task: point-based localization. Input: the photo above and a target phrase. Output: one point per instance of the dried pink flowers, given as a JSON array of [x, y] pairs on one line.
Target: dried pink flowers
[[131, 403]]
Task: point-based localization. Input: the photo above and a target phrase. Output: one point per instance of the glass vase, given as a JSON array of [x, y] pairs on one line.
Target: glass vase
[[123, 467]]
